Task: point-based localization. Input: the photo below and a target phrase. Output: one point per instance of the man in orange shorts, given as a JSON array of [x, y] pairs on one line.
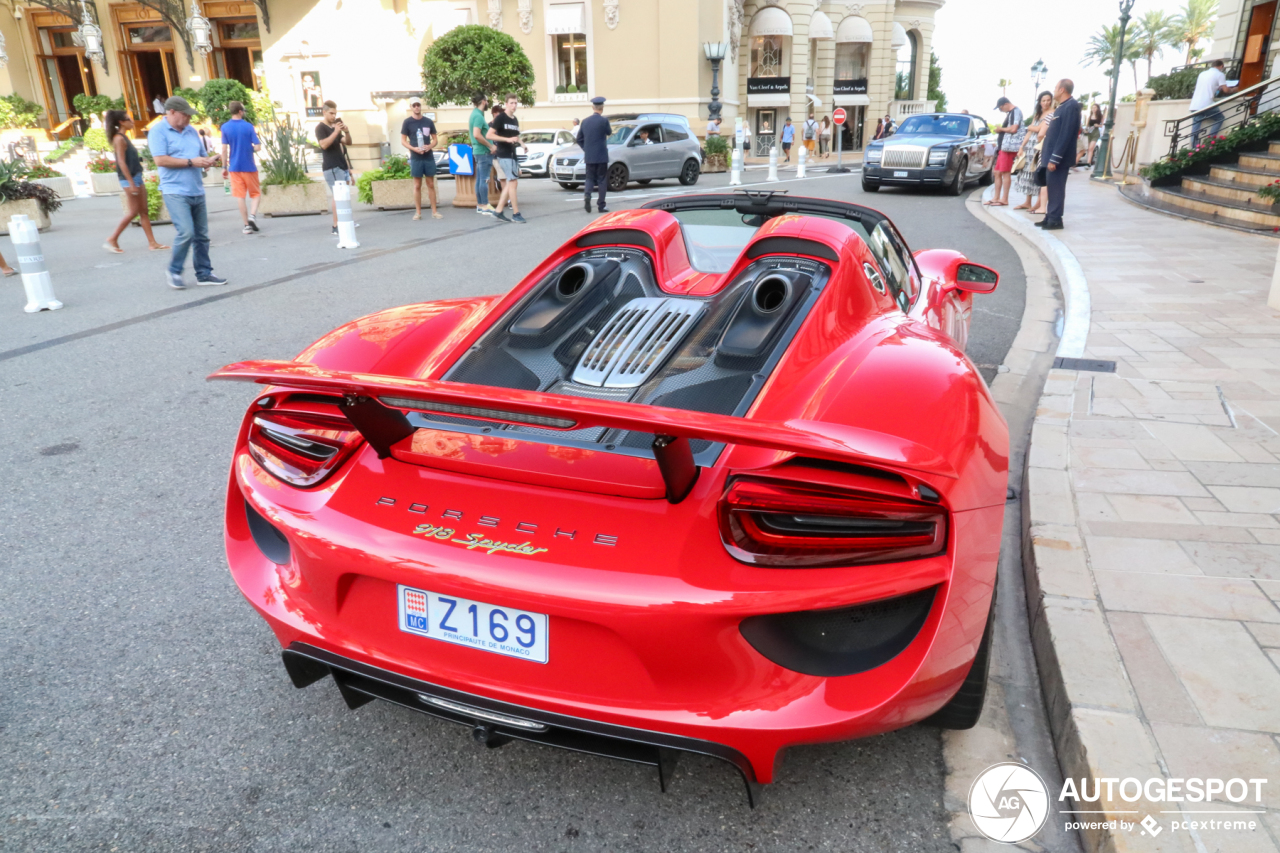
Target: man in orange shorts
[[239, 143]]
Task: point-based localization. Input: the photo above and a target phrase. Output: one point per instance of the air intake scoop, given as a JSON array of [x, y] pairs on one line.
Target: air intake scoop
[[636, 341]]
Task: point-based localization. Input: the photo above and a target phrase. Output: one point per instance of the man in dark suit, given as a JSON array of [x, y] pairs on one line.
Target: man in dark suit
[[593, 139], [1059, 151]]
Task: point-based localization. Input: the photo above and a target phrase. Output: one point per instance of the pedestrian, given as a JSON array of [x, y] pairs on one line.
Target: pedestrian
[[746, 140], [810, 135], [477, 126], [1059, 152], [1025, 182], [129, 171], [1010, 133], [788, 136], [180, 157], [157, 106], [418, 134], [825, 136], [8, 270], [334, 136], [576, 122], [239, 143], [593, 139], [1210, 84], [505, 131], [1093, 129], [889, 127], [879, 134]]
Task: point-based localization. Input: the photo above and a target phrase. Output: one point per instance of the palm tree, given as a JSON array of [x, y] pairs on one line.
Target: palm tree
[[1004, 84], [1154, 31], [1193, 23], [1102, 51]]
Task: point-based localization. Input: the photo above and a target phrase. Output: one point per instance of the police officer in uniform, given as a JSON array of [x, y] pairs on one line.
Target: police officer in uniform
[[593, 135]]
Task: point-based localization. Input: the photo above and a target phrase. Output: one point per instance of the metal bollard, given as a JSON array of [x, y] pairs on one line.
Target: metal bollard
[[735, 176], [773, 164], [25, 235], [346, 225], [800, 161]]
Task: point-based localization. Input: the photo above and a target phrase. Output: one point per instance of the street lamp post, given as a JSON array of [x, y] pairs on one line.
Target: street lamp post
[[91, 37], [1038, 72], [1102, 155], [715, 51]]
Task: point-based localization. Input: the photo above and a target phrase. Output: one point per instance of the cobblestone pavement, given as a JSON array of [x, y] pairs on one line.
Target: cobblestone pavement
[[1154, 521]]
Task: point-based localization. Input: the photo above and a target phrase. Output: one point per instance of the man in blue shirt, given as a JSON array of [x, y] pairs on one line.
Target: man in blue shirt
[[180, 156], [239, 142], [788, 136]]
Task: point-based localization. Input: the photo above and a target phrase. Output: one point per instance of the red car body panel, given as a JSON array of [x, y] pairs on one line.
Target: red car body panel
[[644, 600]]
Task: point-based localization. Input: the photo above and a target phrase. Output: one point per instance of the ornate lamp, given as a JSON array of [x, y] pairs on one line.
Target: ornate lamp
[[715, 51], [201, 31], [91, 37], [1038, 72], [1102, 154]]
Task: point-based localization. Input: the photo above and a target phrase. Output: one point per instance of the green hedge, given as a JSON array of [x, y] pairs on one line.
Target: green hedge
[[1175, 86], [1217, 149]]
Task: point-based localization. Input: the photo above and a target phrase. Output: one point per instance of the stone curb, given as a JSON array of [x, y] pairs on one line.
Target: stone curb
[[1093, 709]]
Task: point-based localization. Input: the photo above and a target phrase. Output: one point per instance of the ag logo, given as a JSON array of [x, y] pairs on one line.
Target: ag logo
[[1008, 802]]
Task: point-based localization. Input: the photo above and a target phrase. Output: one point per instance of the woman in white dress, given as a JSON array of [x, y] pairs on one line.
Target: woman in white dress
[[1025, 182]]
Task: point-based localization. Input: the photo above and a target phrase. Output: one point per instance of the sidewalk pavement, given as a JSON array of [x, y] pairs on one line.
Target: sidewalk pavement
[[1153, 498]]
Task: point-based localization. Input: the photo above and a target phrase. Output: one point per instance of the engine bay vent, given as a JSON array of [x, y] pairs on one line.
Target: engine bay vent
[[636, 341]]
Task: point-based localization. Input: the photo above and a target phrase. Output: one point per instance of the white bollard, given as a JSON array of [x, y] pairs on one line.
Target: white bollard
[[773, 164], [346, 225], [800, 161], [735, 176], [25, 235]]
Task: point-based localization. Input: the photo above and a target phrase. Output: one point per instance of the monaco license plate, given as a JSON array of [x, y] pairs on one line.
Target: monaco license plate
[[899, 174], [463, 622]]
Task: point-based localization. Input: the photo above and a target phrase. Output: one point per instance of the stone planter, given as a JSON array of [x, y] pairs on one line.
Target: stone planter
[[29, 206], [396, 194], [61, 186], [105, 183], [464, 190], [294, 199], [715, 163], [161, 219]]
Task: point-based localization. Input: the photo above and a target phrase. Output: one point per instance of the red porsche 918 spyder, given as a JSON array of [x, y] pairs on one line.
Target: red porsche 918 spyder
[[715, 477]]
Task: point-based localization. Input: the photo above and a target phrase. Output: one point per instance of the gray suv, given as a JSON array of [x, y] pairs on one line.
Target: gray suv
[[639, 151]]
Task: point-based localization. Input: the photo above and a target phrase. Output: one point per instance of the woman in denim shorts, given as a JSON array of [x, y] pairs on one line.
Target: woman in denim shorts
[[129, 171]]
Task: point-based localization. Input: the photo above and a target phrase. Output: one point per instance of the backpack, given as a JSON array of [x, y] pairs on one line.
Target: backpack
[[810, 127]]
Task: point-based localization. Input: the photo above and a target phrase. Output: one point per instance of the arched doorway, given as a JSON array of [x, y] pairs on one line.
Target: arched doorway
[[768, 76], [906, 44], [853, 62]]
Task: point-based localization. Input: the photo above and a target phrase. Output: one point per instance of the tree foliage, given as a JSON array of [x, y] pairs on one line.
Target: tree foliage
[[473, 60], [935, 84], [1102, 48], [1194, 23], [218, 92], [1154, 31], [16, 111]]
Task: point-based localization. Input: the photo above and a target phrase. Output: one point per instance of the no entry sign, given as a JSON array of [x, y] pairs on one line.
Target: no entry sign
[[838, 116]]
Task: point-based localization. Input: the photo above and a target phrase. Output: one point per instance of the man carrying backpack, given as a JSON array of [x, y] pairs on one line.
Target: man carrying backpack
[[811, 135]]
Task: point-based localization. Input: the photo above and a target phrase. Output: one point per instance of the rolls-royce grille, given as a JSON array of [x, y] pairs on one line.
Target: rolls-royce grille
[[904, 158]]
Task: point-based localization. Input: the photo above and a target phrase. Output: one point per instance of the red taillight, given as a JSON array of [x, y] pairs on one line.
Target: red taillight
[[797, 526], [301, 448]]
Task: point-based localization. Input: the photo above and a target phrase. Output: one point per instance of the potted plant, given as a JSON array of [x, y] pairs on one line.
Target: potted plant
[[18, 195], [287, 190], [717, 148], [102, 174], [51, 178], [1269, 193], [20, 118], [390, 187]]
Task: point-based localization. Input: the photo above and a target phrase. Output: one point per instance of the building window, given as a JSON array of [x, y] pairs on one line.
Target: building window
[[905, 79], [571, 62], [767, 57], [240, 30], [851, 60], [150, 34]]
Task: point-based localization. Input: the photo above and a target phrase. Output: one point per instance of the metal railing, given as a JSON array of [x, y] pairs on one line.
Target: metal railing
[[1236, 110], [1232, 70]]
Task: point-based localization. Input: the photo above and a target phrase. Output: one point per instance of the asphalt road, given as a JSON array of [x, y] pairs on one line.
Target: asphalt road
[[142, 702]]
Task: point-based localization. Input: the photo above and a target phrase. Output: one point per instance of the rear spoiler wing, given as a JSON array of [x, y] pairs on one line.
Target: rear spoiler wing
[[375, 405]]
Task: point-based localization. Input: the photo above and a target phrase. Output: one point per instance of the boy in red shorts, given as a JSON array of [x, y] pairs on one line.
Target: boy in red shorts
[[239, 142]]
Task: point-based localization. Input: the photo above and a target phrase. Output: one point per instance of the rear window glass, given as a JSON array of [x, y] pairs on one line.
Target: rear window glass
[[715, 238]]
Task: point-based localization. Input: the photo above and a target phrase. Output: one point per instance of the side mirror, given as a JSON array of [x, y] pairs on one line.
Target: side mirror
[[975, 278]]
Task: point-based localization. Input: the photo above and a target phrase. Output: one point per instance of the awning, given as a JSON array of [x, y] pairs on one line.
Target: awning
[[851, 100], [566, 18], [779, 100], [820, 28], [814, 100], [899, 36], [770, 21], [854, 29]]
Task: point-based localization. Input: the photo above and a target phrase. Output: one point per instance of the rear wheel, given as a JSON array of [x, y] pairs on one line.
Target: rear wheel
[[689, 174], [618, 177], [644, 182], [964, 709], [957, 186], [869, 188]]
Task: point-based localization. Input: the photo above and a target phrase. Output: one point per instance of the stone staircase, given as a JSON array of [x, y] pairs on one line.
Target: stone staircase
[[1227, 195]]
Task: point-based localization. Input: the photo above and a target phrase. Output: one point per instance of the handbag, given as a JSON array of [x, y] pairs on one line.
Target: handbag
[[1020, 161]]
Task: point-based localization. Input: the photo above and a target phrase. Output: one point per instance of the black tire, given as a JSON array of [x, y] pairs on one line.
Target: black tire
[[618, 175], [988, 178], [870, 188], [964, 709], [563, 185], [957, 186], [689, 174], [645, 182]]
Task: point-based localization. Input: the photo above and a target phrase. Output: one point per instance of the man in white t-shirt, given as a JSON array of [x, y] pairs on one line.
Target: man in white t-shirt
[[1211, 83]]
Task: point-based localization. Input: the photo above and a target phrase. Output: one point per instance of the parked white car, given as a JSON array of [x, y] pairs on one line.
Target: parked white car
[[534, 153]]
